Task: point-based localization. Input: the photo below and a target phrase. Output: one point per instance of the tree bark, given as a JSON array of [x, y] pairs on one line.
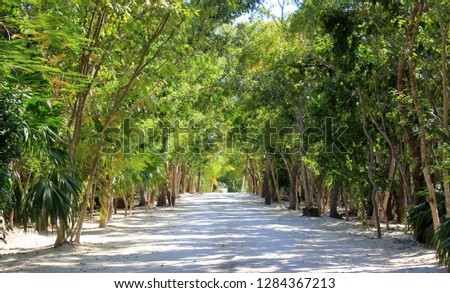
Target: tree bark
[[383, 203], [92, 175], [293, 205], [301, 130], [125, 201], [92, 203], [60, 235], [104, 204], [183, 178], [409, 136], [421, 118], [376, 215], [267, 191], [110, 207], [162, 199], [347, 217], [334, 199], [142, 199], [275, 184], [445, 120], [175, 182], [192, 184], [199, 181]]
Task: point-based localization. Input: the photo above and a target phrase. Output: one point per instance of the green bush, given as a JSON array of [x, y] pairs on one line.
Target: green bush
[[443, 244], [419, 220]]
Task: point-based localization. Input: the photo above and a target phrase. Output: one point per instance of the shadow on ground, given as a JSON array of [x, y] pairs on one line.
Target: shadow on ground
[[225, 233]]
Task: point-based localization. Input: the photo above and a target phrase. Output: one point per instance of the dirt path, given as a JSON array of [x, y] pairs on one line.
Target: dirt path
[[222, 233]]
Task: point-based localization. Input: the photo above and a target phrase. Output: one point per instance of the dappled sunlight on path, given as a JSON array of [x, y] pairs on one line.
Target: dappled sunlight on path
[[222, 233]]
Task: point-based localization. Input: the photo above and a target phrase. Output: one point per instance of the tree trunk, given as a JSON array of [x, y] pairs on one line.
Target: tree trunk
[[175, 183], [199, 181], [92, 175], [305, 186], [254, 179], [301, 130], [162, 199], [183, 178], [370, 166], [142, 199], [267, 191], [115, 202], [383, 202], [334, 200], [293, 205], [104, 205], [421, 118], [92, 203], [191, 184], [125, 202], [408, 132], [152, 197], [445, 30], [376, 210], [60, 235], [276, 186], [347, 217], [42, 226], [111, 207]]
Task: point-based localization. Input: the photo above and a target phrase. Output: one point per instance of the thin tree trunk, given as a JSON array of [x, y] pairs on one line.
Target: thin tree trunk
[[375, 215], [162, 199], [92, 202], [334, 199], [142, 199], [191, 184], [111, 207], [407, 195], [199, 181], [445, 30], [301, 129], [347, 217], [276, 186], [60, 235], [383, 201], [327, 199], [305, 185], [42, 226], [407, 129], [293, 205], [183, 178], [175, 183], [125, 202], [92, 175], [267, 191], [105, 204], [421, 118]]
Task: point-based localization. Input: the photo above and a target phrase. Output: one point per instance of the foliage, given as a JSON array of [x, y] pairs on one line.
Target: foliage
[[51, 198], [130, 94], [420, 222], [12, 126], [443, 244]]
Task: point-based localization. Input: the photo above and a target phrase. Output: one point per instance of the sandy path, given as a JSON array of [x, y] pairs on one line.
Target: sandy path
[[221, 233]]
